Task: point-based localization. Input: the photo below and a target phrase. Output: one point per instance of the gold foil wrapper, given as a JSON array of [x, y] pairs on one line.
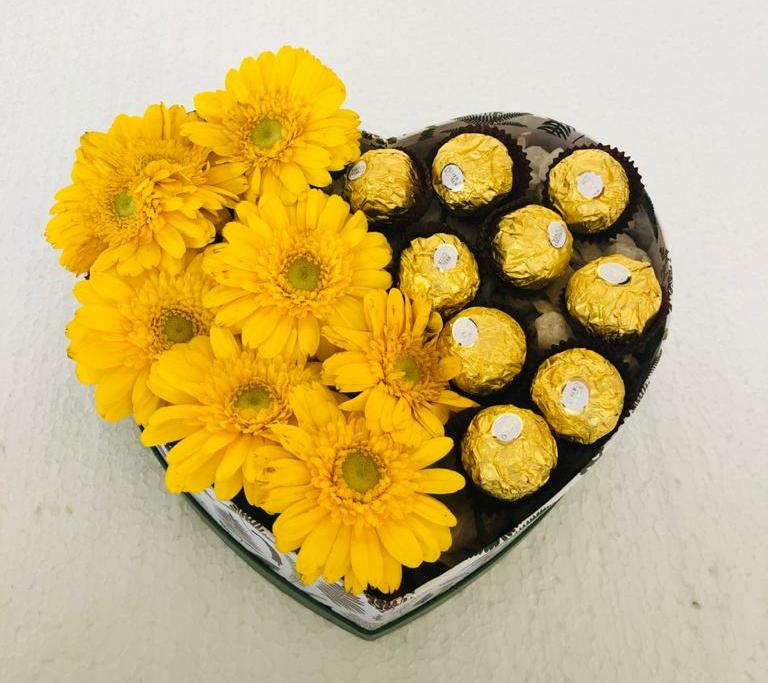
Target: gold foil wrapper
[[580, 394], [471, 170], [614, 296], [382, 183], [590, 189], [440, 268], [490, 345], [509, 452], [532, 246]]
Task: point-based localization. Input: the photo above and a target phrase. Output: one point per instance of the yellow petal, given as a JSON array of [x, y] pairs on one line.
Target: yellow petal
[[395, 311], [337, 563], [401, 543], [438, 481], [291, 529], [429, 421], [201, 478], [294, 440], [428, 539], [171, 241], [293, 178], [171, 423], [392, 573], [365, 555], [431, 451], [223, 343], [308, 334], [277, 342], [431, 510], [316, 547], [113, 394], [234, 456], [260, 326], [283, 498], [287, 472], [227, 489], [273, 212]]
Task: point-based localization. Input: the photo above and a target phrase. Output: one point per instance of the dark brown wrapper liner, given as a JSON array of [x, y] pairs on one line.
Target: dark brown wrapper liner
[[636, 191], [629, 377], [402, 239], [423, 192], [634, 344], [521, 167], [488, 229]]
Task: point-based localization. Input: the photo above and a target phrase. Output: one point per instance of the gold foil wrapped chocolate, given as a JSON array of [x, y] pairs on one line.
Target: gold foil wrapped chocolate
[[532, 246], [509, 452], [590, 189], [471, 170], [440, 268], [490, 345], [614, 296], [580, 394], [383, 183]]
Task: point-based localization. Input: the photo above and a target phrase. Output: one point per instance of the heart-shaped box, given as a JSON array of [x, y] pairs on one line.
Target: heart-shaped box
[[487, 528]]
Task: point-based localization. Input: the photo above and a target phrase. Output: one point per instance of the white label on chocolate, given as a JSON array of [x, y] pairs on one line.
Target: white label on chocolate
[[575, 396], [452, 177], [507, 427], [445, 257], [465, 332], [556, 234], [356, 170], [590, 184], [614, 273]]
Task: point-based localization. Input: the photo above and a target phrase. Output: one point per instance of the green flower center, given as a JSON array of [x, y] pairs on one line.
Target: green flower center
[[124, 204], [254, 398], [266, 133], [178, 328], [360, 471], [303, 274], [410, 369]]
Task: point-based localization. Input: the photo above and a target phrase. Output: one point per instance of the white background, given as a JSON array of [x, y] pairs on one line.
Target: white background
[[654, 568]]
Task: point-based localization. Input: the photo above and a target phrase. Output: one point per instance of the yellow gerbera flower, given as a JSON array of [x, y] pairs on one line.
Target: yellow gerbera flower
[[141, 192], [280, 117], [283, 270], [355, 500], [223, 401], [393, 361], [123, 326]]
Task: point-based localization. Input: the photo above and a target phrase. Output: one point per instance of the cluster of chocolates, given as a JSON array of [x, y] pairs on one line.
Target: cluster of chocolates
[[509, 451]]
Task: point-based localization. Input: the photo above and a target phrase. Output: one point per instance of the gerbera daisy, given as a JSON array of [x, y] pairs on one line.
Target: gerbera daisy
[[224, 399], [280, 117], [355, 500], [393, 361], [140, 192], [283, 270], [123, 326]]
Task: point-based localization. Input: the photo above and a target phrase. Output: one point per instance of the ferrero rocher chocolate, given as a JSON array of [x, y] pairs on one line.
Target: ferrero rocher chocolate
[[614, 296], [490, 345], [590, 189], [580, 394], [471, 170], [382, 183], [532, 246], [509, 452], [440, 268]]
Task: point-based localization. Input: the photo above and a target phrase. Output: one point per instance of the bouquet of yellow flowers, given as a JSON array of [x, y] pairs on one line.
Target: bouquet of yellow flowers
[[229, 302]]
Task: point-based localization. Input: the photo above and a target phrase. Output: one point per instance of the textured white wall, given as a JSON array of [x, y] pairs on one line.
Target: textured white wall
[[652, 569]]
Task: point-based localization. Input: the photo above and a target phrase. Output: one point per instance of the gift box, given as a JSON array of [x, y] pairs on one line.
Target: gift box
[[372, 365]]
